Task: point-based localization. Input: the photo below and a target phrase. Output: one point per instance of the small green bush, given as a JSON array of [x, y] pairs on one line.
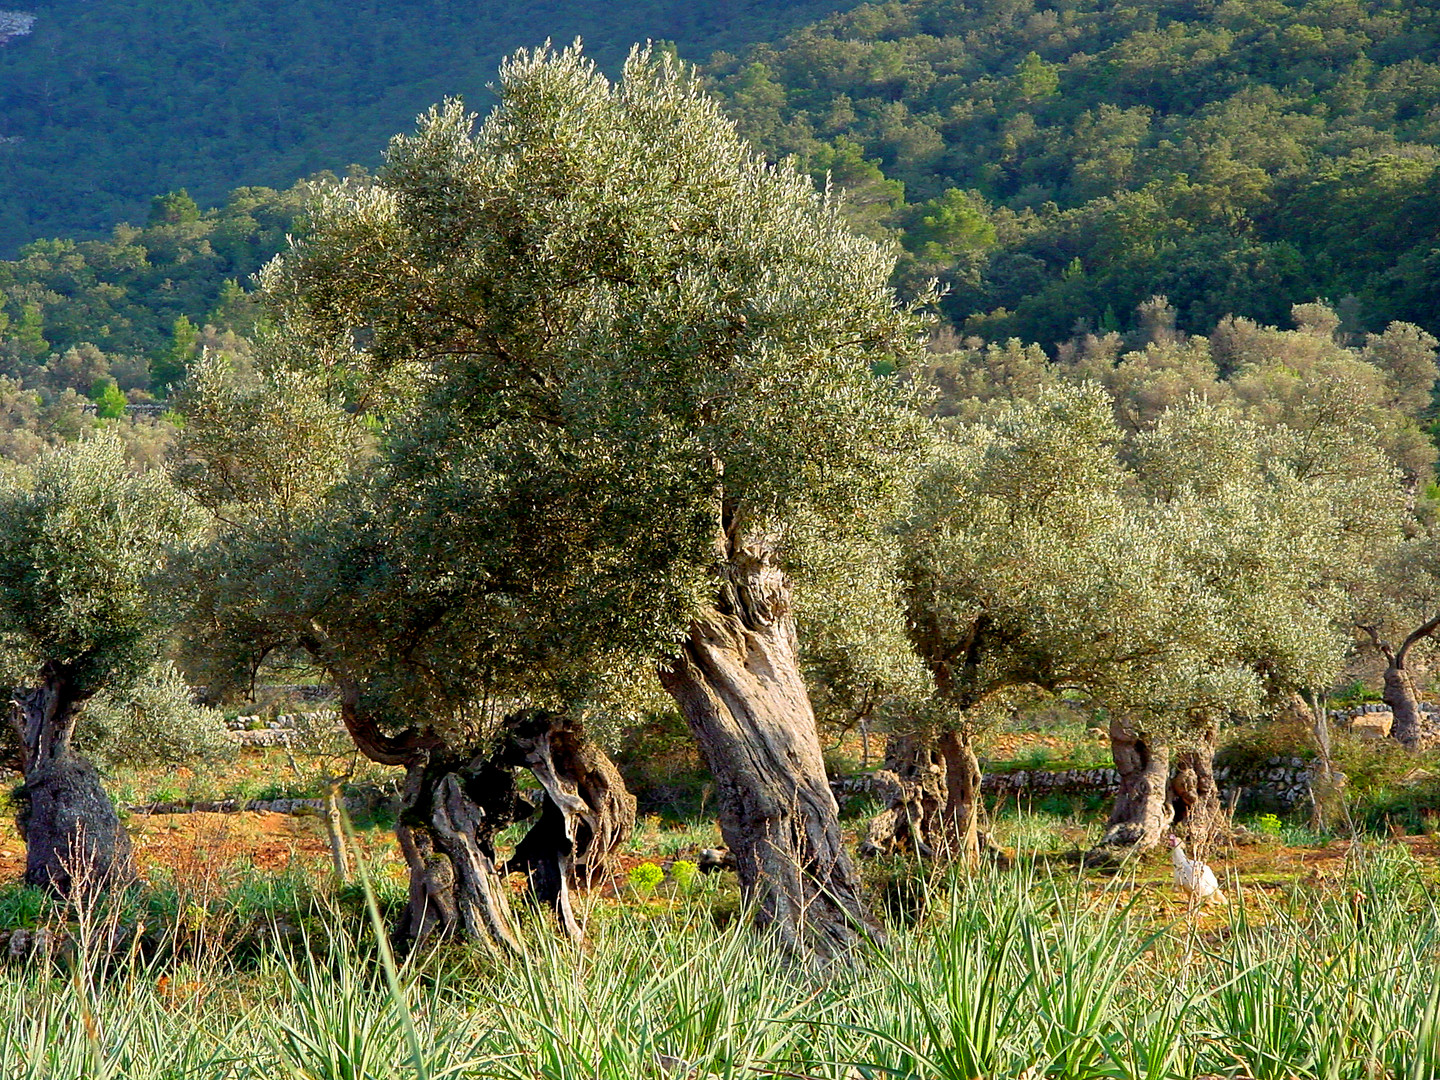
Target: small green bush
[[682, 872], [645, 878], [109, 399], [1268, 825], [154, 723]]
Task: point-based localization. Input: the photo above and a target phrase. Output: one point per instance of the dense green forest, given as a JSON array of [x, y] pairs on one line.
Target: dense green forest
[[1054, 165], [1063, 162], [104, 104]]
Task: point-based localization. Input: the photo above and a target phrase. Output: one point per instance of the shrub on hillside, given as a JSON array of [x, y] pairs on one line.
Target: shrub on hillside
[[156, 723]]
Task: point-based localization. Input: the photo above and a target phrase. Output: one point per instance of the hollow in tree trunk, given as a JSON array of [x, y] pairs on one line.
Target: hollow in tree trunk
[[73, 837], [455, 805], [738, 684], [1194, 795], [1142, 807], [587, 813]]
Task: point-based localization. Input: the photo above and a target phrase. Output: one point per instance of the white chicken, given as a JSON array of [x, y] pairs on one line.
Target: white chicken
[[1194, 877]]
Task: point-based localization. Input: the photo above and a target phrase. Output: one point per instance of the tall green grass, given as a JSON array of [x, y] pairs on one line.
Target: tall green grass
[[1017, 974]]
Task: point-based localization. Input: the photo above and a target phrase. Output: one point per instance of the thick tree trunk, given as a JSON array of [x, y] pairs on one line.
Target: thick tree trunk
[[74, 841], [962, 791], [452, 811], [1404, 701], [931, 794], [454, 807], [738, 684], [911, 785], [1142, 807], [586, 816], [1195, 796], [1400, 693]]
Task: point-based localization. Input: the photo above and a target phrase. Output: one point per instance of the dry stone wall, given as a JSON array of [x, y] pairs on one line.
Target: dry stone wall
[[1279, 782], [1374, 721]]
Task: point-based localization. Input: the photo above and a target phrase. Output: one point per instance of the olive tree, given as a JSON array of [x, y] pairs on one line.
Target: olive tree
[[1030, 565], [81, 536], [312, 554], [1275, 541], [1396, 612], [642, 360], [1279, 490], [155, 721]]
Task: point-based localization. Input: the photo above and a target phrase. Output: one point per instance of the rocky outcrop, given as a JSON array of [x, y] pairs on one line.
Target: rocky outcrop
[[14, 24]]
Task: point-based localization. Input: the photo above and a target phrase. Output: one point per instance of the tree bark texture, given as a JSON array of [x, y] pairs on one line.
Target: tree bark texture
[[1404, 701], [962, 796], [1142, 806], [452, 812], [931, 794], [454, 808], [737, 682], [911, 785], [586, 815], [1194, 795], [73, 838]]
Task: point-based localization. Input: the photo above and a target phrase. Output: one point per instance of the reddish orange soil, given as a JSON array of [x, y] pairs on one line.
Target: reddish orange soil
[[195, 845], [182, 843]]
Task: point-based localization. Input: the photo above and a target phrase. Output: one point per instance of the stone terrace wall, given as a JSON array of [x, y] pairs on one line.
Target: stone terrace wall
[[1280, 782]]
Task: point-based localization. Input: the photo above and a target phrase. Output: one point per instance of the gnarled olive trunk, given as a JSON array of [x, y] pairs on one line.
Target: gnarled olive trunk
[[738, 684], [1404, 700], [451, 813], [1194, 795], [1142, 806], [587, 813], [962, 791], [1399, 692], [73, 837], [454, 808], [931, 794], [911, 786]]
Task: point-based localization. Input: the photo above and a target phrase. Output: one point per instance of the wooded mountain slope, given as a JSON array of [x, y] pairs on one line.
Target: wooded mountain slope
[[113, 101], [1066, 160], [1055, 164]]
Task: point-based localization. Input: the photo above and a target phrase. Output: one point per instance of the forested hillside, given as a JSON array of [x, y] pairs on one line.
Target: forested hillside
[[103, 104], [1056, 166], [1062, 162]]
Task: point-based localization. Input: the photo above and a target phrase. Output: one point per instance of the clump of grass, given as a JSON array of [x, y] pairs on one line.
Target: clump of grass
[[23, 907], [1026, 973]]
